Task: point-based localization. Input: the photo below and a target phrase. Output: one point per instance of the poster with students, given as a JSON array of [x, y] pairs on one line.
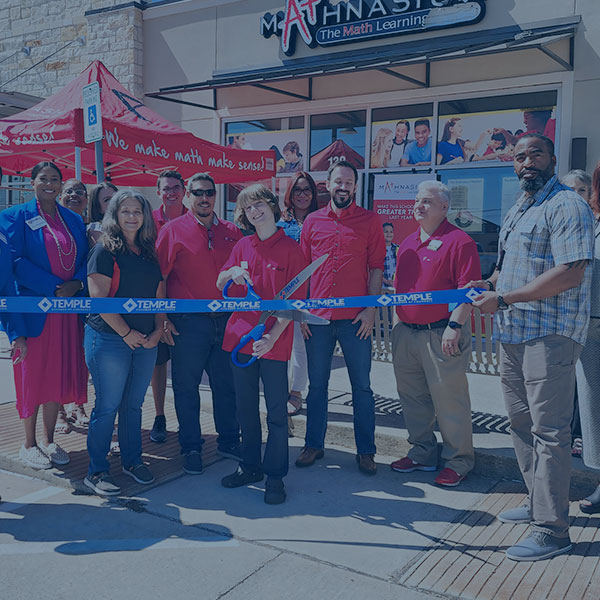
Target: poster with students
[[394, 198]]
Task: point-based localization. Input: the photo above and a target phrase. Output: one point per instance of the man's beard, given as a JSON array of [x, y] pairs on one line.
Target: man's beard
[[342, 202], [537, 183]]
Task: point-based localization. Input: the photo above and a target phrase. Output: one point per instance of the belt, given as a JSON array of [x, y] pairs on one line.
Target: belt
[[434, 325]]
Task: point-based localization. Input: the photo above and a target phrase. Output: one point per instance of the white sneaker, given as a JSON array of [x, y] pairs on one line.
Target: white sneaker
[[33, 457], [55, 453]]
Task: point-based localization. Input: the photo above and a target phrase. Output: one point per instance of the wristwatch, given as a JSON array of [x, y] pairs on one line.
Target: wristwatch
[[502, 305], [454, 325]]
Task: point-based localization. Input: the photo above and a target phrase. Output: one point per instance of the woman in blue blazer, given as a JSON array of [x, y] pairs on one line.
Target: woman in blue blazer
[[49, 253]]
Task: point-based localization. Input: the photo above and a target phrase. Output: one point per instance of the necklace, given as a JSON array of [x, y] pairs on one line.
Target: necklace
[[72, 245]]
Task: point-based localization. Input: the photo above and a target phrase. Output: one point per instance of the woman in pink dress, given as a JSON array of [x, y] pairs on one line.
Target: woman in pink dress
[[49, 253]]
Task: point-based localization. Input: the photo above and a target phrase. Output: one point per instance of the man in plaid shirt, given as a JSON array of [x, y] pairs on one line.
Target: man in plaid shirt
[[540, 292]]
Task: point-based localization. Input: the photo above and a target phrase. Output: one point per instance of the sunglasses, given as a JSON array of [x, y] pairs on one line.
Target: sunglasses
[[200, 193]]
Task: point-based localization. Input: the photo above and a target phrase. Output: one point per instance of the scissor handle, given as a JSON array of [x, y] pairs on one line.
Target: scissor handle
[[250, 293], [254, 334]]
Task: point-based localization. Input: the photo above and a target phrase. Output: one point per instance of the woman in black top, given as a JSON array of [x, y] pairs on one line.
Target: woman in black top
[[120, 350]]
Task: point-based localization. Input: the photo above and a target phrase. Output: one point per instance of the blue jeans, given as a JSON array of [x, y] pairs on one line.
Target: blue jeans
[[121, 377], [273, 374], [198, 349], [357, 354]]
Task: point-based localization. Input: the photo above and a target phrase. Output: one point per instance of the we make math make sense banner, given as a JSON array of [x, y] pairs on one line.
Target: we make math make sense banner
[[393, 201]]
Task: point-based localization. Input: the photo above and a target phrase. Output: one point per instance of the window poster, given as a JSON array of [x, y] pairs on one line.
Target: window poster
[[490, 136], [466, 203], [393, 201], [401, 143]]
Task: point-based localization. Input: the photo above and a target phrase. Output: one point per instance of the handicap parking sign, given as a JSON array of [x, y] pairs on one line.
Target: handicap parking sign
[[92, 115]]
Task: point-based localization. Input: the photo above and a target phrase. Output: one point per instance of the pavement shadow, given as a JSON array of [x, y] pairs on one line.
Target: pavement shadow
[[85, 529]]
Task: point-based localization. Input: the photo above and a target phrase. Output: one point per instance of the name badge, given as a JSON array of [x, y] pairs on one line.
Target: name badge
[[244, 264], [36, 223], [434, 245]]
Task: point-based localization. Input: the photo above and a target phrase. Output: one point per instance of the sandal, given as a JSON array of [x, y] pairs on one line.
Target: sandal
[[62, 425], [78, 416], [294, 405], [577, 447], [594, 503]]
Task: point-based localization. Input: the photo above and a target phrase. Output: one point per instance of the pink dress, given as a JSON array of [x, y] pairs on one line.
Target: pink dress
[[55, 369]]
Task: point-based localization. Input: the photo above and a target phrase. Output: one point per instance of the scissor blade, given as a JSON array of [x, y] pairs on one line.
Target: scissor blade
[[302, 316], [296, 282]]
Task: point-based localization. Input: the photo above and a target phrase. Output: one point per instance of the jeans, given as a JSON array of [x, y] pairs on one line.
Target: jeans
[[121, 377], [275, 383], [357, 354], [198, 349]]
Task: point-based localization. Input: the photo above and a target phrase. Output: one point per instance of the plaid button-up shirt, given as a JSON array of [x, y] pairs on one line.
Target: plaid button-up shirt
[[389, 265], [554, 227]]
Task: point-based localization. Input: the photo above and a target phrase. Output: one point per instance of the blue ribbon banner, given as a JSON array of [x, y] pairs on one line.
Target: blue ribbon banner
[[26, 304]]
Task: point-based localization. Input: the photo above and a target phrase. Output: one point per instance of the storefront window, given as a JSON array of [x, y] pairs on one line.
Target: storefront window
[[337, 136], [476, 130], [285, 136], [401, 136]]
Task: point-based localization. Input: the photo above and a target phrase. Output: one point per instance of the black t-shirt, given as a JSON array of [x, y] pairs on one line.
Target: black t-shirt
[[138, 278]]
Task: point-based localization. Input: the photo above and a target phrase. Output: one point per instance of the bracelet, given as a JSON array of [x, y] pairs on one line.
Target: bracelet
[[124, 336], [490, 285]]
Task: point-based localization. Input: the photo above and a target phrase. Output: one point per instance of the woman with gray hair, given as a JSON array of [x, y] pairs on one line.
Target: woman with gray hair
[[120, 350]]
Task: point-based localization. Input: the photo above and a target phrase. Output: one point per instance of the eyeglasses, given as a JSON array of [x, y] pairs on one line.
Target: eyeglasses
[[200, 193], [302, 191], [211, 237], [168, 190], [78, 192]]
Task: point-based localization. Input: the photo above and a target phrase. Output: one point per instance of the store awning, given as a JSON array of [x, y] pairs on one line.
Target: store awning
[[387, 58]]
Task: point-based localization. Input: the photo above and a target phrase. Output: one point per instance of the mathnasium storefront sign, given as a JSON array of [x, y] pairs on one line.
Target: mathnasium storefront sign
[[320, 23]]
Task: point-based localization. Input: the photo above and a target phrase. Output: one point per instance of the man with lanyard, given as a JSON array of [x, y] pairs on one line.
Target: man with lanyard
[[170, 188], [540, 292], [431, 347], [192, 250], [353, 239]]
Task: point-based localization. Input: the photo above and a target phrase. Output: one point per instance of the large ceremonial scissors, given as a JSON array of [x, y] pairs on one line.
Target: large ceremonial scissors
[[290, 287]]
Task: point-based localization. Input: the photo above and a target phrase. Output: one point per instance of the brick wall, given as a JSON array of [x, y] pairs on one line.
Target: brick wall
[[115, 37]]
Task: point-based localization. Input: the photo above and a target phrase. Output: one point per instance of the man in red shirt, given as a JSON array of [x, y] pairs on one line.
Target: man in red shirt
[[431, 347], [353, 239], [192, 249], [170, 188]]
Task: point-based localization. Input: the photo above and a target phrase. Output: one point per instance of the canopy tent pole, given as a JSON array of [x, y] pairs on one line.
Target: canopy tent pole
[[99, 162], [78, 163]]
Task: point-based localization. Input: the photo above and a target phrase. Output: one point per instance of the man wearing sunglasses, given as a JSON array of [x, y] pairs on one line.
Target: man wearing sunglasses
[[192, 251]]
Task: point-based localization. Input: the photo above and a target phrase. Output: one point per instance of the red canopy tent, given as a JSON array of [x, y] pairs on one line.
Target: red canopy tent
[[138, 143], [338, 150]]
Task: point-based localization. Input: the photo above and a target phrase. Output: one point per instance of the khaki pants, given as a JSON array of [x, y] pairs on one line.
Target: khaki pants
[[431, 384], [538, 384]]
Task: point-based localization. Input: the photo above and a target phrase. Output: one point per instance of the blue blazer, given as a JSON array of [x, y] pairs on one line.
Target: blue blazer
[[31, 266], [12, 323]]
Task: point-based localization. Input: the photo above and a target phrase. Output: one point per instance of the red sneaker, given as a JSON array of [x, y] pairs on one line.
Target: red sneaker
[[449, 477], [407, 465]]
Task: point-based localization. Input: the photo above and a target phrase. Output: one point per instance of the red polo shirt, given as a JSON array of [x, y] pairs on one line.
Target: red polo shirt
[[272, 263], [448, 260], [355, 244], [189, 266], [160, 218]]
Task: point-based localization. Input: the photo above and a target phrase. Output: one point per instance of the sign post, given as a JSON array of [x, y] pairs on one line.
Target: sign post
[[92, 124]]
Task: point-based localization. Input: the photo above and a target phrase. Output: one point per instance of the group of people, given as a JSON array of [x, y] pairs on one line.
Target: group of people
[[540, 293]]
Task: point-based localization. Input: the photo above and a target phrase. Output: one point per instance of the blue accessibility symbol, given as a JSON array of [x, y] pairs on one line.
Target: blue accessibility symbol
[[92, 118]]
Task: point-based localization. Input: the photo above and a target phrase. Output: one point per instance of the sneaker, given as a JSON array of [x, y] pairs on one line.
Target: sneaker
[[408, 465], [141, 473], [230, 451], [56, 454], [522, 514], [158, 434], [308, 456], [33, 457], [274, 492], [449, 478], [241, 477], [102, 484], [192, 462], [366, 463], [539, 546]]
